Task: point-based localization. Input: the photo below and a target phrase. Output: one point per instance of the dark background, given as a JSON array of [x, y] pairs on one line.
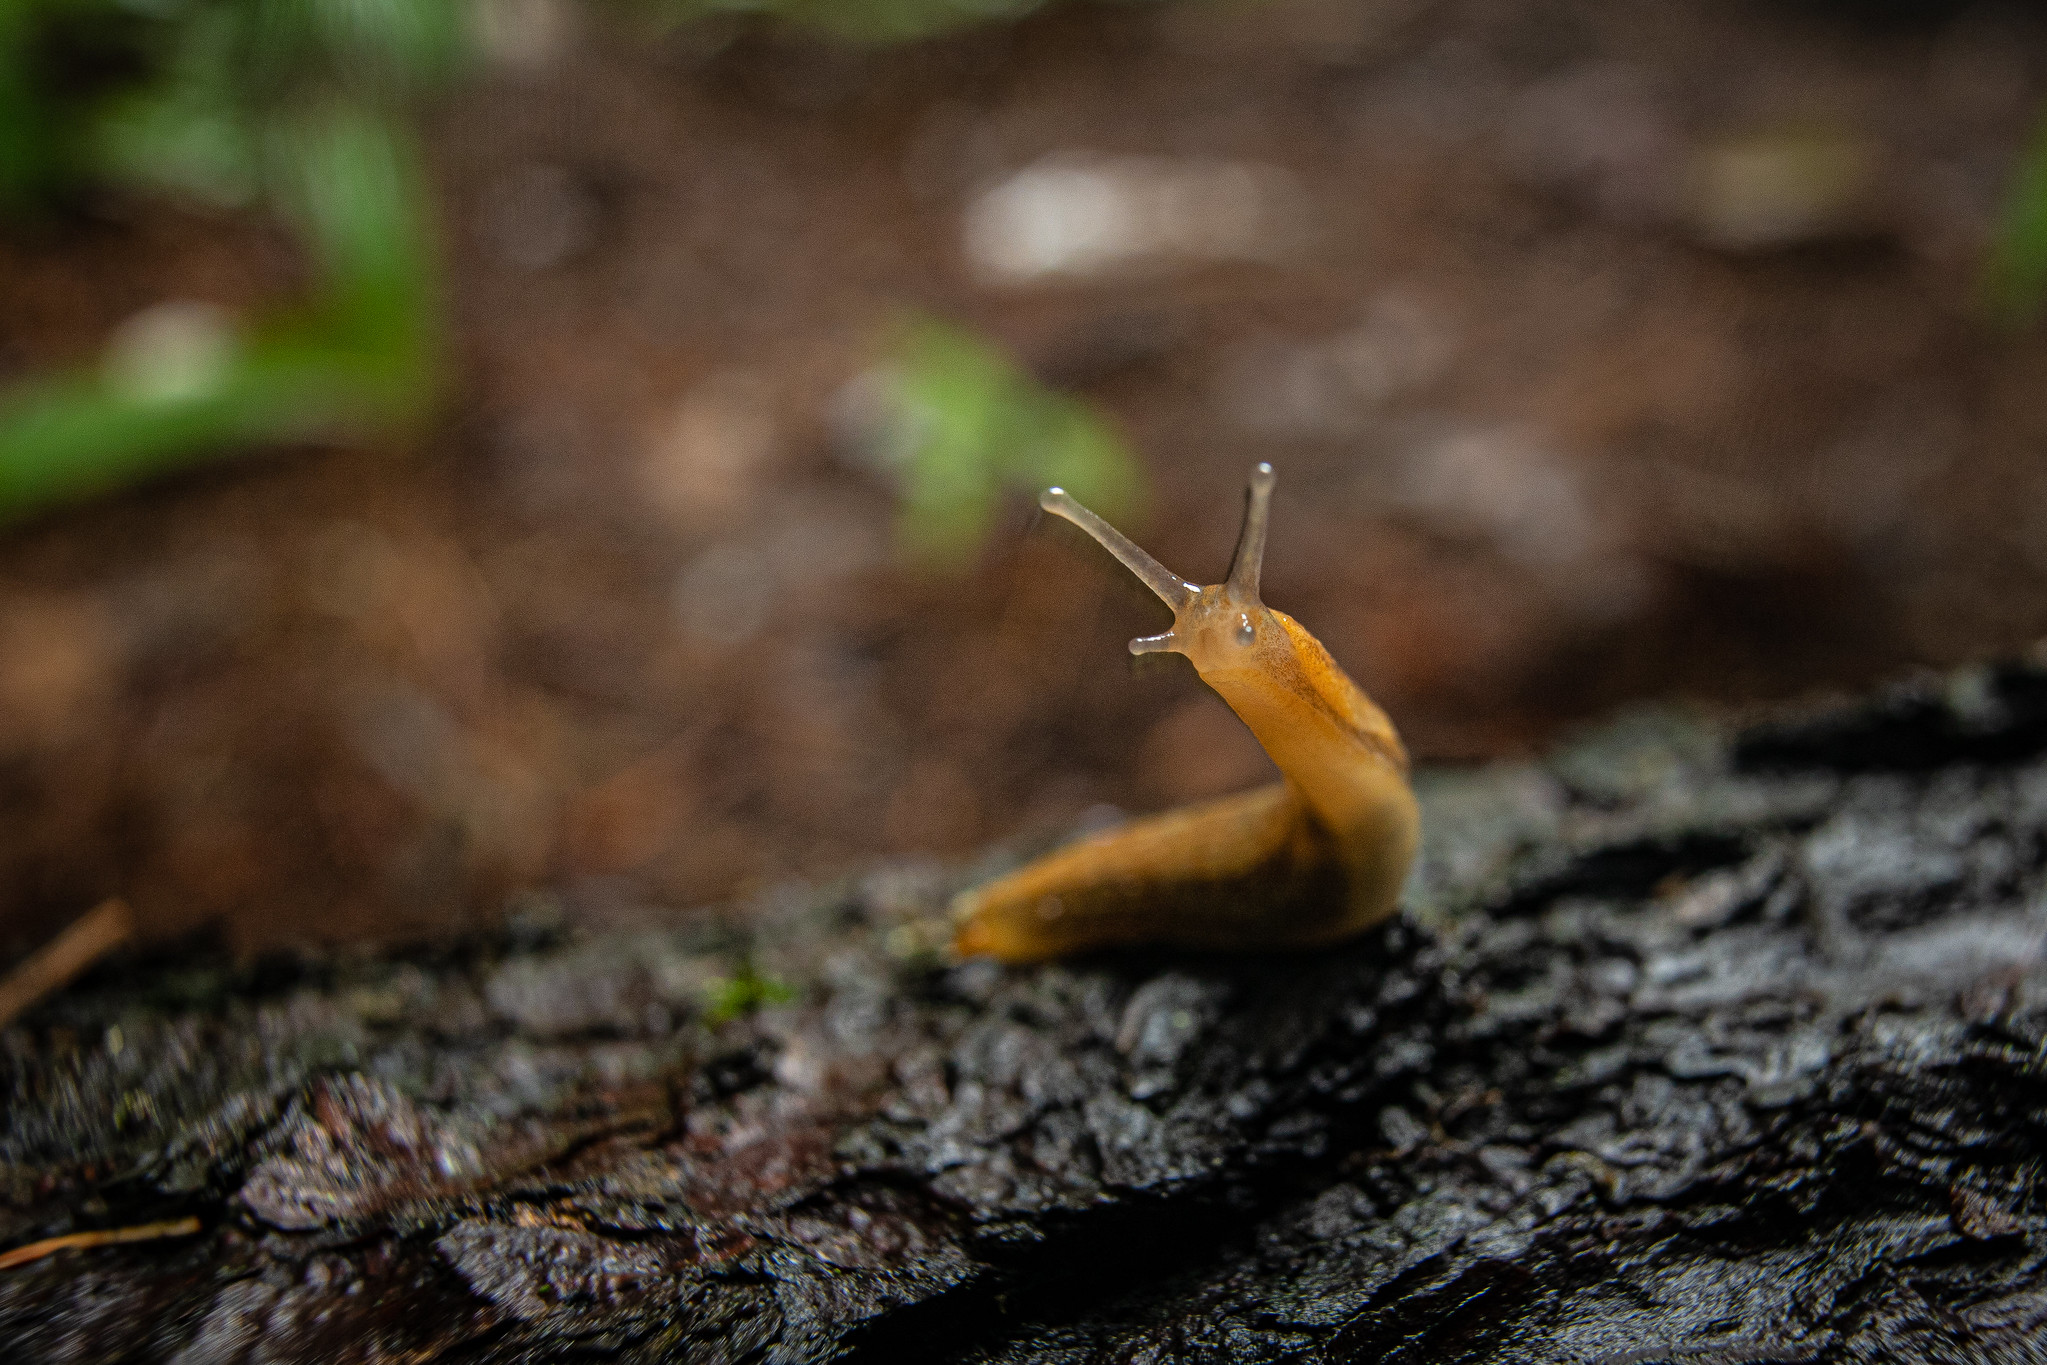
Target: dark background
[[1575, 401]]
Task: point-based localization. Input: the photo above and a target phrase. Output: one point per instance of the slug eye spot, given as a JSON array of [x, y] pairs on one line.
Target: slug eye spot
[[1246, 632]]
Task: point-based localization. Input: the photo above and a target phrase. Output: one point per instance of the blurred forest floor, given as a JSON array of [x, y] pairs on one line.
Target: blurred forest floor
[[1570, 406]]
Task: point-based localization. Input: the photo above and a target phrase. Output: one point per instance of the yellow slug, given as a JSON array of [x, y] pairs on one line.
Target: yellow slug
[[1315, 857]]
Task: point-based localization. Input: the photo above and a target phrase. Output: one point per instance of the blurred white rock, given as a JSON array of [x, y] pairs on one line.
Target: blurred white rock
[[1502, 486], [732, 589], [706, 459], [171, 351], [1331, 386], [875, 427], [1080, 215], [1600, 131]]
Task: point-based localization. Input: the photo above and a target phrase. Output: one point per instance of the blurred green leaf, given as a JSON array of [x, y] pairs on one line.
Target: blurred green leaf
[[173, 139], [291, 103], [42, 101], [69, 438], [231, 78], [299, 106], [2018, 263], [375, 49], [975, 427], [853, 21], [729, 998], [24, 140], [355, 184]]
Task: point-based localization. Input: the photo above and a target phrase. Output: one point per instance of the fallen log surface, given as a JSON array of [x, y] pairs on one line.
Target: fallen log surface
[[1692, 1048]]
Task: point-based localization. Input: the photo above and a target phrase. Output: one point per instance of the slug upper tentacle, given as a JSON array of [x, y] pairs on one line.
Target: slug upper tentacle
[[1315, 857]]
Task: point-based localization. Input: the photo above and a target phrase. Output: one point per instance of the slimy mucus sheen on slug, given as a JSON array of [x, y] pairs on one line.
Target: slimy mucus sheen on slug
[[1315, 857]]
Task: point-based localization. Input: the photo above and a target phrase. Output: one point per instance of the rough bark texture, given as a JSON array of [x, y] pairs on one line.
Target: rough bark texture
[[1692, 1049]]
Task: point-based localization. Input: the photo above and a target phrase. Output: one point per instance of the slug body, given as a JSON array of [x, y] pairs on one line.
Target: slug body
[[1315, 857]]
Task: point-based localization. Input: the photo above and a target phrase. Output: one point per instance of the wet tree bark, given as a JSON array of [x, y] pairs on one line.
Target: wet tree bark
[[1692, 1049]]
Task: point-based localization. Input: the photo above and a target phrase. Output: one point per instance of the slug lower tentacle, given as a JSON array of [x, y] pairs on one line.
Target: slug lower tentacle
[[1316, 857]]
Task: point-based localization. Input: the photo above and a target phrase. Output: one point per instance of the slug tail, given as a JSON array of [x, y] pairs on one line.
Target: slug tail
[[1246, 872]]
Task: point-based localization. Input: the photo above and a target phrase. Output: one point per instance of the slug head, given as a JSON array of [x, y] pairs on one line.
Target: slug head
[[1223, 628]]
